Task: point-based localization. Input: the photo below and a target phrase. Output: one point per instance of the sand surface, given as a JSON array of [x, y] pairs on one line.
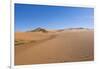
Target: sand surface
[[53, 47]]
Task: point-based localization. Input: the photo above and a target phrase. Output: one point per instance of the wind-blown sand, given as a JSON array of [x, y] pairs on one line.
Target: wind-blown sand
[[54, 47]]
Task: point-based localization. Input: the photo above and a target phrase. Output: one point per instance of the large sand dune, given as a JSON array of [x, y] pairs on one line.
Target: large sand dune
[[54, 47]]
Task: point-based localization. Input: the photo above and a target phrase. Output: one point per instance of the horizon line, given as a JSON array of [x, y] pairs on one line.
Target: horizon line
[[56, 29]]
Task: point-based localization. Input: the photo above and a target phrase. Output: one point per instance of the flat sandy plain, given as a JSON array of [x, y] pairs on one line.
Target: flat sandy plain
[[54, 46]]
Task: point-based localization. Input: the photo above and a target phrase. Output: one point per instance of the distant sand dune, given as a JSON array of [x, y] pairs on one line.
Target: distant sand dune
[[54, 47]]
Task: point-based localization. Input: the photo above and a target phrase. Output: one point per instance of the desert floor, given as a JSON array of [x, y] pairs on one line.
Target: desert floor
[[54, 46]]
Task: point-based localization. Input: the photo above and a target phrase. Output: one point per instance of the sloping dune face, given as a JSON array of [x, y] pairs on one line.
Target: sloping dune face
[[54, 47]]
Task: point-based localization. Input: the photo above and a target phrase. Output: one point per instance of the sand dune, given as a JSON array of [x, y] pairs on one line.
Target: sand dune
[[54, 47]]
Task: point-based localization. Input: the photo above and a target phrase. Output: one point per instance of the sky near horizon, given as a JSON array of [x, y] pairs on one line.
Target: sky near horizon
[[30, 16]]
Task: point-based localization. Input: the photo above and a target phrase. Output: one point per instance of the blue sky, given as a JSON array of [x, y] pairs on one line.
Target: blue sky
[[30, 16]]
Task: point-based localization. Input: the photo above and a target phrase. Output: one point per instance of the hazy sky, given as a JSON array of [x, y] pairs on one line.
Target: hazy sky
[[29, 16]]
